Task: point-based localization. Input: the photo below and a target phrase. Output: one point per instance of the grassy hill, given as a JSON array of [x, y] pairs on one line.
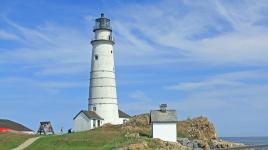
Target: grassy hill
[[12, 140], [135, 134], [104, 138], [107, 137]]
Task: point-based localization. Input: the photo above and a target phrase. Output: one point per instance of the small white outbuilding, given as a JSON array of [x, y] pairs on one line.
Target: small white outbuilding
[[164, 124], [87, 120]]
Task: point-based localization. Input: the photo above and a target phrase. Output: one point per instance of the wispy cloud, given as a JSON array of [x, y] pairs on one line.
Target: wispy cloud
[[213, 32], [4, 35], [51, 49], [228, 90], [226, 80]]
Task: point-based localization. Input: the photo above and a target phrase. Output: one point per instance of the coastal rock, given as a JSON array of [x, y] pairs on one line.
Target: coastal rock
[[194, 144], [138, 146], [197, 128], [225, 144], [193, 134], [138, 124]]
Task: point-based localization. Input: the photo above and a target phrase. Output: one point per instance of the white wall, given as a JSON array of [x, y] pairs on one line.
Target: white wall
[[121, 120], [81, 123], [102, 90], [165, 131]]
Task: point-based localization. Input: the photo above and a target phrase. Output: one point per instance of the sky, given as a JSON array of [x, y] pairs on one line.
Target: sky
[[200, 57]]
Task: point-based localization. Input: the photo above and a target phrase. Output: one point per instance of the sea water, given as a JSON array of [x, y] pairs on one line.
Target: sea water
[[249, 141]]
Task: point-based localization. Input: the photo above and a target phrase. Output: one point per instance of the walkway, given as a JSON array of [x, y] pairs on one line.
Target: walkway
[[26, 143]]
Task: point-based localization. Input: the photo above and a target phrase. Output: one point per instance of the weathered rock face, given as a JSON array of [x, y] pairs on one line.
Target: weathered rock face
[[138, 124], [155, 144], [194, 144], [223, 144], [197, 128], [193, 134]]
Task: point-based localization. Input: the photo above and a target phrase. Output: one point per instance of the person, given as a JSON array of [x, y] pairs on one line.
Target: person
[[61, 130], [70, 130]]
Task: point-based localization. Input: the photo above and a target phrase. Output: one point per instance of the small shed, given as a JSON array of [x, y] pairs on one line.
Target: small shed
[[86, 120], [123, 117], [164, 123]]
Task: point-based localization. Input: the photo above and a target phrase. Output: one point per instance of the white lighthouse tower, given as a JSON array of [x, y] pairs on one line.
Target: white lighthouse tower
[[102, 91], [102, 101]]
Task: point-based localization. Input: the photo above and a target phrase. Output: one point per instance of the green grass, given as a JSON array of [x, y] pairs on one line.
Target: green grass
[[100, 138], [12, 140]]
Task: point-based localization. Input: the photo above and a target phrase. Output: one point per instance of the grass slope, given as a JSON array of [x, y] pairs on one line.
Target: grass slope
[[108, 137], [12, 140]]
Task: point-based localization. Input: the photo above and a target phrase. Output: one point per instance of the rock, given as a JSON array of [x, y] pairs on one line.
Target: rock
[[183, 141], [138, 146], [138, 124], [191, 145], [154, 144], [225, 144], [196, 128], [196, 134]]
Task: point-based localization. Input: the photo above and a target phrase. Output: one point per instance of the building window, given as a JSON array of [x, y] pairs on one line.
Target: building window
[[94, 123], [98, 123], [96, 57], [111, 52], [94, 108]]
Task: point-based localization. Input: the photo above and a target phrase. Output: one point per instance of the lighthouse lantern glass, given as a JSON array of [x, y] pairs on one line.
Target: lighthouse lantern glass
[[102, 23]]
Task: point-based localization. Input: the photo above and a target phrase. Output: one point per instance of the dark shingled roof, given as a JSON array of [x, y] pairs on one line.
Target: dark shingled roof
[[163, 116], [90, 114], [13, 125], [93, 115], [123, 114]]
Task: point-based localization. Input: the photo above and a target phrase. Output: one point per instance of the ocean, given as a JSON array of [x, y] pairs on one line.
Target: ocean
[[249, 141]]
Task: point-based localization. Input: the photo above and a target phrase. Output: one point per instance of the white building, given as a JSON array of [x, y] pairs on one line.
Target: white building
[[164, 124], [102, 101]]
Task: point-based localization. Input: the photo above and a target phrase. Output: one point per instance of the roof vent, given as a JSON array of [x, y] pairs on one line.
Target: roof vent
[[163, 107]]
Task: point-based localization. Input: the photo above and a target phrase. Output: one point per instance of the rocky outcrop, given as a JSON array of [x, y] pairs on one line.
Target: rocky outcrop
[[138, 124], [193, 134], [197, 128], [194, 144], [155, 144]]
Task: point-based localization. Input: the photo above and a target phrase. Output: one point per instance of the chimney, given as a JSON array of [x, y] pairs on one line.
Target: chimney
[[163, 107]]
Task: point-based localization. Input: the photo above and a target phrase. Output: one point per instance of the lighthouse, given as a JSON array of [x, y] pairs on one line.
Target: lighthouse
[[102, 101], [102, 90]]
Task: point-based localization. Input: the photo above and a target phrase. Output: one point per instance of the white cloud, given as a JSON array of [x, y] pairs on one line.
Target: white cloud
[[213, 32], [32, 84], [228, 91], [51, 49], [7, 36], [226, 80], [139, 96]]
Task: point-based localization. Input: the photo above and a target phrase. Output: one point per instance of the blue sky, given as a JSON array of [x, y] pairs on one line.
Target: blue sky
[[203, 57]]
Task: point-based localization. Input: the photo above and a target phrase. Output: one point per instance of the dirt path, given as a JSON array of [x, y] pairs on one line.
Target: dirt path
[[26, 143]]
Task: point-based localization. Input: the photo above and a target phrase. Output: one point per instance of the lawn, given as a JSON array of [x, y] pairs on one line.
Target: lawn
[[100, 138], [12, 140]]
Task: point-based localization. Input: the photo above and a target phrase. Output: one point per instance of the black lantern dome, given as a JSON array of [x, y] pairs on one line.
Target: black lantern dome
[[102, 23]]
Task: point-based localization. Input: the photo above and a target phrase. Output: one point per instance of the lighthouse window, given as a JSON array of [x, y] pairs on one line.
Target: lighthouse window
[[111, 52], [96, 57], [94, 109]]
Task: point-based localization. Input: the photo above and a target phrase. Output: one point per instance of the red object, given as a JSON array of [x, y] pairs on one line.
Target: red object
[[5, 130]]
